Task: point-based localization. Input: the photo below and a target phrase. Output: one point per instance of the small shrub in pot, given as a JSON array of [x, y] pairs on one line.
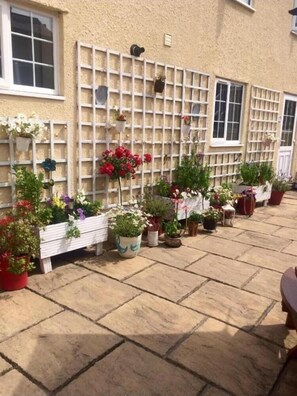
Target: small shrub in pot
[[279, 187]]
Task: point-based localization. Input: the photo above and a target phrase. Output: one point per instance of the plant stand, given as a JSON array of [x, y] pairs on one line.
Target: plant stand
[[53, 241]]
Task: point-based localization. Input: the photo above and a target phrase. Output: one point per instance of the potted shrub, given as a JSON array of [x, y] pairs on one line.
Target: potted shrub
[[279, 187], [247, 202], [157, 208], [159, 84], [18, 244], [127, 225], [63, 223], [220, 196], [23, 129], [255, 176], [173, 233], [193, 221], [210, 218], [185, 128]]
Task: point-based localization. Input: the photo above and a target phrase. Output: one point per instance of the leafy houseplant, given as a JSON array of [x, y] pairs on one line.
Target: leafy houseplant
[[279, 187], [193, 221], [211, 217], [162, 187], [18, 243], [121, 164], [157, 208], [127, 225], [22, 128], [173, 233]]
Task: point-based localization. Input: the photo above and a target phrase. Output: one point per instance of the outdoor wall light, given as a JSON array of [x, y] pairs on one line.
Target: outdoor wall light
[[135, 50], [293, 11]]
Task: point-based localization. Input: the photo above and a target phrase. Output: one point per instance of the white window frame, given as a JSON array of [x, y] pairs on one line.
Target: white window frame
[[6, 83], [223, 141], [249, 6], [294, 18]]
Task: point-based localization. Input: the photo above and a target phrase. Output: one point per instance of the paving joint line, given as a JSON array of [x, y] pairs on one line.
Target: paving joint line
[[246, 282], [192, 291]]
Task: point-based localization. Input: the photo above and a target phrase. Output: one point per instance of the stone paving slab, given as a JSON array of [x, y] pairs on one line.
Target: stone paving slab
[[266, 283], [222, 247], [262, 240], [234, 306], [22, 309], [287, 233], [166, 281], [60, 276], [240, 363], [111, 264], [256, 226], [289, 201], [282, 221], [212, 391], [273, 328], [291, 249], [14, 383], [57, 348], [132, 371], [153, 322], [179, 258], [4, 366], [268, 259], [223, 269], [94, 295], [288, 382], [227, 232], [288, 211]]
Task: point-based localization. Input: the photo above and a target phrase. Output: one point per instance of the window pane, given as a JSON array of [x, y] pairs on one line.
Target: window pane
[[23, 73], [238, 95], [20, 21], [288, 123], [43, 52], [21, 47], [43, 27], [0, 49], [44, 76]]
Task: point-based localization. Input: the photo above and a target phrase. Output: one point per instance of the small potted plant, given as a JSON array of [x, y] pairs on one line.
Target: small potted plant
[[279, 187], [185, 128], [23, 129], [18, 244], [127, 225], [157, 208], [159, 84], [173, 233], [210, 218], [193, 221], [120, 122], [247, 202]]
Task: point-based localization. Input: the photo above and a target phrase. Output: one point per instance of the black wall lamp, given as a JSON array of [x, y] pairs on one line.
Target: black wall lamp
[[135, 50], [293, 11]]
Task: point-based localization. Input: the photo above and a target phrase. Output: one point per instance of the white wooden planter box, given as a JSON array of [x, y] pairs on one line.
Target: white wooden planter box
[[262, 192], [189, 205], [53, 241]]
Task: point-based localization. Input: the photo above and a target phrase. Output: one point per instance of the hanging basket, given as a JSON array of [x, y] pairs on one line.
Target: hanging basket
[[120, 126], [159, 86], [22, 143], [185, 130]]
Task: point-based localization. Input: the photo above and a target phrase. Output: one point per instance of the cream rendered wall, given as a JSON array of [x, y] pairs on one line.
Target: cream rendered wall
[[219, 37]]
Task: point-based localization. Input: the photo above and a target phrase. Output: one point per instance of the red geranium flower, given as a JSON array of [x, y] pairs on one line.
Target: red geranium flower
[[147, 158]]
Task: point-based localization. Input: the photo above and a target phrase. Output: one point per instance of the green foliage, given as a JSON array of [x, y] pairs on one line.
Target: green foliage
[[211, 213], [254, 174], [128, 222], [281, 185], [157, 207], [89, 208], [192, 174], [195, 217], [58, 214], [19, 265], [162, 187], [173, 228]]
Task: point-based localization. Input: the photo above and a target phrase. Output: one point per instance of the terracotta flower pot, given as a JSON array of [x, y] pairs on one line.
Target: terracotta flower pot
[[209, 224], [192, 228], [246, 205], [10, 281], [276, 197]]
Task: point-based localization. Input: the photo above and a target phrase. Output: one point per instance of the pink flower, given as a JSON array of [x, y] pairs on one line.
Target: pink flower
[[147, 158]]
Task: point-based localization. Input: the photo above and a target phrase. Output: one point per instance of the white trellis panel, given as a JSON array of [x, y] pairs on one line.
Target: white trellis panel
[[54, 144], [264, 118], [224, 166], [153, 120]]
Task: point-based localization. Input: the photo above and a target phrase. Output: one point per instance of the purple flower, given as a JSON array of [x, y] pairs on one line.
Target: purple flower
[[200, 156], [81, 214], [66, 199]]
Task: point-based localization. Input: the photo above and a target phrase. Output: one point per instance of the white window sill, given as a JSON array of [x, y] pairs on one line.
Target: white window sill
[[31, 95], [294, 32], [250, 8], [227, 144]]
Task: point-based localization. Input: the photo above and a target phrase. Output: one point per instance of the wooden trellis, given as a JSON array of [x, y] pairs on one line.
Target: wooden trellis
[[54, 144], [224, 166], [153, 120], [264, 119]]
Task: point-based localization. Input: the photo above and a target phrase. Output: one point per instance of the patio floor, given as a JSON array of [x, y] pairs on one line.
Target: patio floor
[[204, 319]]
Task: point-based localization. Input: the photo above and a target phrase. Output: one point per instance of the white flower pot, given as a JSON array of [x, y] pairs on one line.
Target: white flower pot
[[185, 129], [228, 222], [263, 192], [152, 238], [128, 247], [120, 126], [22, 143]]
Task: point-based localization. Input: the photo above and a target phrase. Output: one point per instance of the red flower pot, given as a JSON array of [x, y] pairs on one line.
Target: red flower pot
[[8, 280], [276, 197], [246, 205]]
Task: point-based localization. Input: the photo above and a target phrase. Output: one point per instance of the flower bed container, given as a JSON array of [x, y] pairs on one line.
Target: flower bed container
[[53, 241], [187, 206], [262, 192]]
